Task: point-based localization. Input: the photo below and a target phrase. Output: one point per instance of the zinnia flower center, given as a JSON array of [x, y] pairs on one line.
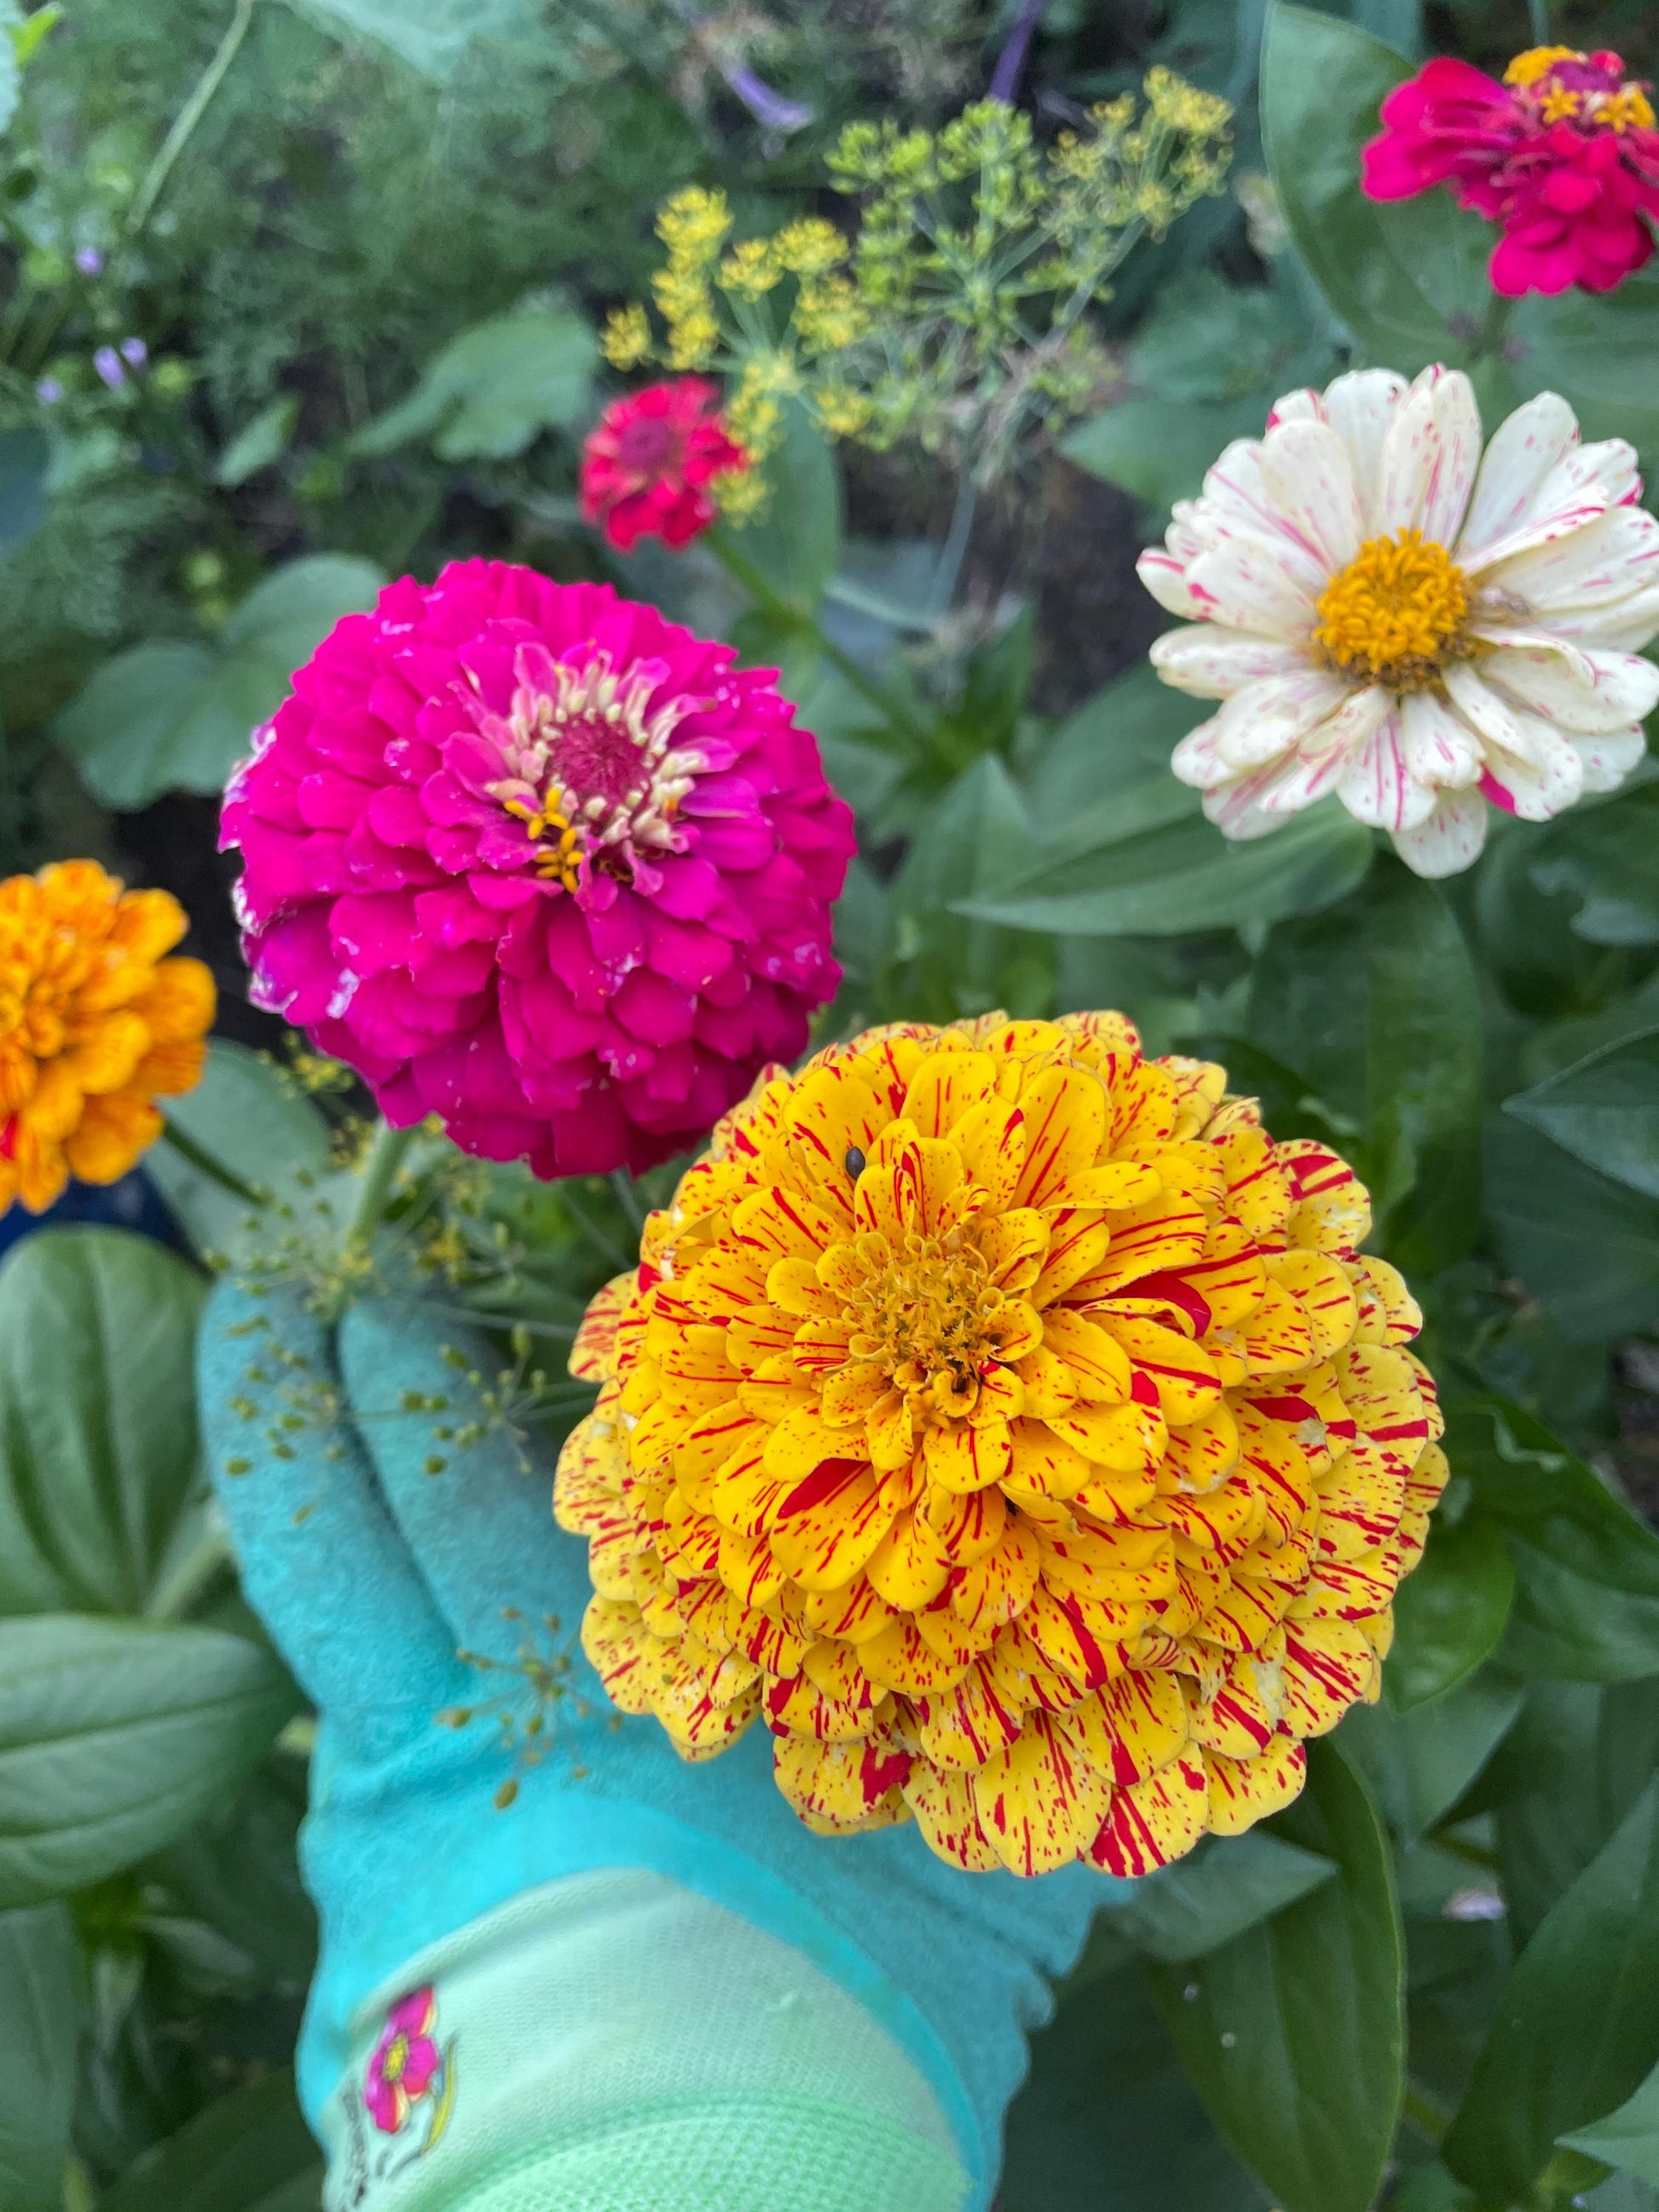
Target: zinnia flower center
[[647, 445], [929, 1315], [594, 771], [1397, 613], [1567, 86]]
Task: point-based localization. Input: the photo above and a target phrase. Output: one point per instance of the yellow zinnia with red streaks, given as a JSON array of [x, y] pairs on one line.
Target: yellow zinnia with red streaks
[[1016, 1428], [95, 1024]]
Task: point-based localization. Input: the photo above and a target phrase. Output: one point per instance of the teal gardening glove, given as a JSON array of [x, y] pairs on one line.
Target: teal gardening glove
[[559, 1967]]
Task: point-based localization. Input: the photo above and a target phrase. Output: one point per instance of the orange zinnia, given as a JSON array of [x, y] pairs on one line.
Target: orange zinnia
[[1015, 1426], [95, 1024]]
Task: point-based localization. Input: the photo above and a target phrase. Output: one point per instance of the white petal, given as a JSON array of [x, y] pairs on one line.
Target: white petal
[[1525, 446], [1271, 717], [1165, 578], [1361, 405], [1614, 557], [1306, 405], [1534, 640], [1449, 839], [1306, 472], [1212, 663], [1625, 626], [1378, 789], [1247, 583], [1242, 808], [1237, 502], [1608, 760], [1591, 481], [1440, 747], [1538, 781], [1623, 688], [1430, 455], [1195, 762]]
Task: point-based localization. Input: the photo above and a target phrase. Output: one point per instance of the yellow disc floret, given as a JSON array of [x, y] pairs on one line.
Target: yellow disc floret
[[1015, 1427], [1396, 614], [95, 1024]]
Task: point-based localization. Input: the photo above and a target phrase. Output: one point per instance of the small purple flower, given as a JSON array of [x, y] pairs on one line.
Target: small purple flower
[[49, 392], [108, 362], [134, 352], [89, 261]]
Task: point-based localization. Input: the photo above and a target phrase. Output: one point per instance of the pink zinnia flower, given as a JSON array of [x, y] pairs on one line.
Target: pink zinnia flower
[[533, 860], [405, 2061], [1562, 155], [648, 461]]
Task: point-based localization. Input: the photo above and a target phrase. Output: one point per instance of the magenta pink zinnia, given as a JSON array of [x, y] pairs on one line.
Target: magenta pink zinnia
[[533, 860]]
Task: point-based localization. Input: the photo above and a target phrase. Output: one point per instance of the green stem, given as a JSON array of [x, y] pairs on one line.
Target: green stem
[[188, 117], [956, 545], [744, 571], [214, 1171], [1427, 2118], [1494, 329], [1538, 19], [626, 1197], [386, 1157]]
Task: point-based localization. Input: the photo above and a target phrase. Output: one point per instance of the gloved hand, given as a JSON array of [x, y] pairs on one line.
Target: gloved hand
[[390, 1524]]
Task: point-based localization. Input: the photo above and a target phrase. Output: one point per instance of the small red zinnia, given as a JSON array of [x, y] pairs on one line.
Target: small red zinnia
[[1562, 155], [648, 461], [533, 860]]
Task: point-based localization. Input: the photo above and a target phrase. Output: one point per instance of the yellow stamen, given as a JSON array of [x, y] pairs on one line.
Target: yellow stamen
[[1560, 105], [1627, 109], [1397, 613], [1537, 62]]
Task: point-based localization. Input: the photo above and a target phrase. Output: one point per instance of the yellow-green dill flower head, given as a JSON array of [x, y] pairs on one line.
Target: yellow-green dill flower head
[[751, 269], [810, 247], [693, 224], [626, 339]]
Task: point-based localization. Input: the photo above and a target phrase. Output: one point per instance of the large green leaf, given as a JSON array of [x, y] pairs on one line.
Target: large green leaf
[[1587, 1249], [1227, 1884], [1577, 2026], [1604, 857], [1604, 1110], [796, 541], [99, 1482], [40, 2021], [115, 1736], [432, 36], [1183, 875], [1105, 772], [1377, 1002], [24, 456], [1628, 2137], [973, 836], [1295, 2033], [249, 2152], [1450, 1611], [495, 388], [1395, 274], [1587, 1570], [165, 717], [249, 1120], [1109, 2118], [1599, 347], [1419, 1763]]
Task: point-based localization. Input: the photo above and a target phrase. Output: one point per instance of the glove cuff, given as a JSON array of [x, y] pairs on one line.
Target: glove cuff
[[614, 2043]]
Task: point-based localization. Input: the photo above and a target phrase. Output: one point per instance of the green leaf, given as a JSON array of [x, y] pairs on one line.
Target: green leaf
[[244, 1116], [1450, 1610], [1228, 1883], [434, 36], [1604, 857], [1577, 2026], [264, 440], [495, 388], [1419, 1763], [1628, 2137], [1183, 876], [974, 834], [1159, 449], [1585, 1247], [116, 1735], [796, 542], [162, 717], [1377, 1004], [1587, 1570], [40, 2021], [1108, 2118], [99, 1483], [1394, 273], [1604, 1110], [25, 459], [1294, 2033], [1600, 348], [249, 2152]]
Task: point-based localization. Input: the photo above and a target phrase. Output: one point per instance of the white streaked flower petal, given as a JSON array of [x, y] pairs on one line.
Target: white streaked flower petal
[[1360, 406], [1448, 840], [1271, 717], [1615, 556], [1623, 626], [1593, 481], [1306, 470], [1247, 583], [1539, 779], [1165, 578], [1245, 806], [1237, 501], [1525, 446], [1196, 761], [1623, 688], [1430, 454], [1608, 760], [1306, 405], [1213, 663], [1440, 747], [1378, 788], [1534, 640]]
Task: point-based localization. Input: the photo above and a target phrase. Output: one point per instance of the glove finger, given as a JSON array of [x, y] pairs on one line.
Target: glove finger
[[322, 1560], [471, 1492]]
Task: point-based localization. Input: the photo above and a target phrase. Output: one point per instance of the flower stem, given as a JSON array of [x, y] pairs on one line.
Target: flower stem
[[188, 117], [386, 1157], [744, 572], [214, 1171]]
